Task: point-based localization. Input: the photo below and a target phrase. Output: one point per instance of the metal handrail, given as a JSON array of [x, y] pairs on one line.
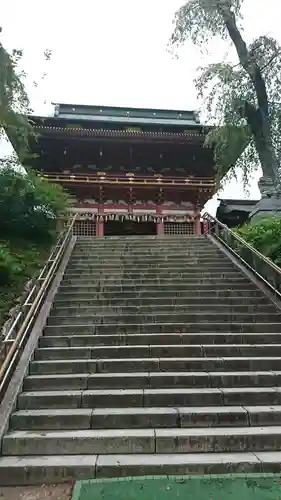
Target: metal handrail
[[18, 331], [262, 266]]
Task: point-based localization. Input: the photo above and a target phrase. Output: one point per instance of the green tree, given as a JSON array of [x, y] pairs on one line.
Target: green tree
[[243, 99], [264, 234], [14, 100], [29, 205]]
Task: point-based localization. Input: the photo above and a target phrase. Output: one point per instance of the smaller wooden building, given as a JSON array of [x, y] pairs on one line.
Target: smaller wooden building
[[235, 213]]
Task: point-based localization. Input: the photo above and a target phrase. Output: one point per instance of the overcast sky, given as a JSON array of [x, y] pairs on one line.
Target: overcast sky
[[113, 52]]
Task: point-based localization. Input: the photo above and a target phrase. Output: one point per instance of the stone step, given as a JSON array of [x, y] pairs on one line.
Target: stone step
[[156, 246], [72, 300], [159, 339], [108, 418], [157, 276], [161, 273], [173, 257], [114, 241], [73, 442], [141, 418], [111, 265], [148, 237], [137, 380], [131, 441], [118, 286], [171, 262], [139, 237], [172, 397], [141, 257], [161, 269], [142, 253], [151, 263], [170, 327], [123, 281], [46, 469], [143, 365], [85, 293], [185, 308], [157, 351], [134, 242], [97, 290], [161, 317], [149, 240]]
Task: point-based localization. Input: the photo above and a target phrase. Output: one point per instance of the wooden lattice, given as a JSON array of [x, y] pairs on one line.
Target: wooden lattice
[[179, 228], [84, 228]]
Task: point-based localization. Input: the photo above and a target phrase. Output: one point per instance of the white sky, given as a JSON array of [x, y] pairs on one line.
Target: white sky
[[113, 52]]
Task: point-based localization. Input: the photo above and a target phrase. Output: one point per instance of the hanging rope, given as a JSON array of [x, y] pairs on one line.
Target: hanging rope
[[148, 217]]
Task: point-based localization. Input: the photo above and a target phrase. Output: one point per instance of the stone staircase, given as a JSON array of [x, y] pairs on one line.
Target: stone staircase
[[159, 357]]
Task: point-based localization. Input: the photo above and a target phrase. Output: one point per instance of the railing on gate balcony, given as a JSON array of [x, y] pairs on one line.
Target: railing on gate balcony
[[263, 268], [15, 339]]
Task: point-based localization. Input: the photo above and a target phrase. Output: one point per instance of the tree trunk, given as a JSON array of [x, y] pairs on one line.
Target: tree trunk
[[259, 125], [257, 118]]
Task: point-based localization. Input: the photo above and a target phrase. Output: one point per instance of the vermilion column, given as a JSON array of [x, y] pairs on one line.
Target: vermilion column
[[198, 224], [160, 225], [100, 223], [100, 228]]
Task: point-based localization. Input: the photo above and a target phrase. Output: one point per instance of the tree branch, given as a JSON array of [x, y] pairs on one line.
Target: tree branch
[[270, 61], [252, 70]]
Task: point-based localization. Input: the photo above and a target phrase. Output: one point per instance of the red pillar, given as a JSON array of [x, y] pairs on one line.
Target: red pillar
[[197, 224], [160, 225], [100, 228], [100, 223]]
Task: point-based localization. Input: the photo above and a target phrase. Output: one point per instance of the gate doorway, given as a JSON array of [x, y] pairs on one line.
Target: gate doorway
[[129, 228]]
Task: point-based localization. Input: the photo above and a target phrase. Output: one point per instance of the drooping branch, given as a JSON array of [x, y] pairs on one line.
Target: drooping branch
[[270, 61], [236, 95], [258, 119]]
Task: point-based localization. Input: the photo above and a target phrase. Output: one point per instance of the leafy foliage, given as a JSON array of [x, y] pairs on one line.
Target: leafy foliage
[[29, 205], [9, 266], [264, 234], [19, 262], [14, 100], [29, 210], [241, 100]]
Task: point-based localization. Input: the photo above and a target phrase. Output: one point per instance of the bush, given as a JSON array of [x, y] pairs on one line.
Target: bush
[[29, 205], [19, 262], [9, 265], [264, 234], [29, 211]]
